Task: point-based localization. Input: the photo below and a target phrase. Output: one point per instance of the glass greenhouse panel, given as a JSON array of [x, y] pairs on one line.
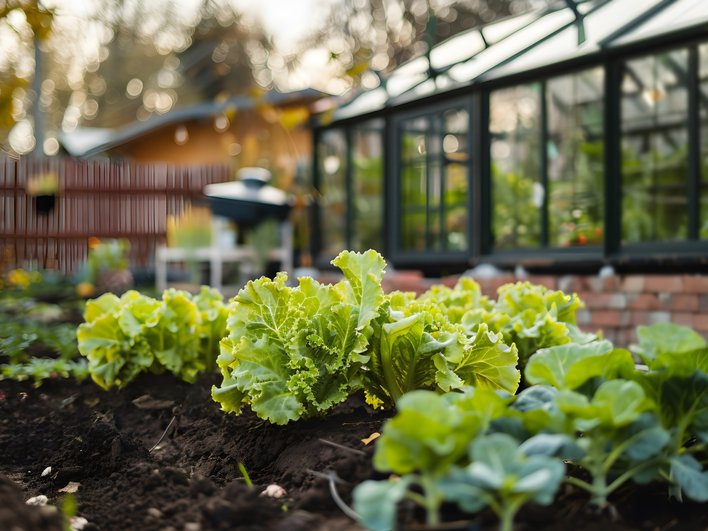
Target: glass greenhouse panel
[[655, 148], [517, 190], [703, 98], [367, 187], [434, 184], [575, 153], [333, 200], [414, 178]]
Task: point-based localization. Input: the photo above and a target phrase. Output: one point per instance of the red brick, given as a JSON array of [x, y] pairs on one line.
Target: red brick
[[450, 281], [643, 301], [491, 285], [631, 336], [572, 284], [659, 317], [703, 303], [682, 318], [617, 301], [605, 301], [679, 302], [609, 318], [547, 281], [663, 283], [612, 334], [611, 283], [583, 317], [648, 318], [700, 323], [632, 284], [695, 283], [639, 318], [596, 301], [588, 328]]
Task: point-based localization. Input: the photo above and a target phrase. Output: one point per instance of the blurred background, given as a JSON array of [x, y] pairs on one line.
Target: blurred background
[[68, 64]]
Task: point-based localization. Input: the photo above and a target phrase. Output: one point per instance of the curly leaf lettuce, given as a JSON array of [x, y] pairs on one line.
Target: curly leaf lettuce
[[530, 316], [125, 336], [484, 361], [294, 352], [112, 337]]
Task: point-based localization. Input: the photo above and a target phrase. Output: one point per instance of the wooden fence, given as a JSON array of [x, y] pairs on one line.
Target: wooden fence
[[99, 198]]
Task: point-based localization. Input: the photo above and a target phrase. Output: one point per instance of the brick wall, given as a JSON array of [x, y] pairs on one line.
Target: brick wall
[[616, 304]]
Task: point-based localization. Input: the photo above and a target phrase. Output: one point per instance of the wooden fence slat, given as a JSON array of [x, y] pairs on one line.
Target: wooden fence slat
[[99, 198]]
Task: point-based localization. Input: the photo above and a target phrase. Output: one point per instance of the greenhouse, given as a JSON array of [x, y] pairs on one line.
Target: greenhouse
[[565, 139]]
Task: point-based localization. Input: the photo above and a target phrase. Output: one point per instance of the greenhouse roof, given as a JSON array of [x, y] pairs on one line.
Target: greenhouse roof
[[566, 31]]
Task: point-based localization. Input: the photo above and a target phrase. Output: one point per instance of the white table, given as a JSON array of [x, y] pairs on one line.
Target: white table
[[217, 256]]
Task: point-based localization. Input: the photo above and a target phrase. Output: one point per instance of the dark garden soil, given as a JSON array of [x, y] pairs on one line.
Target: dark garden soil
[[106, 443]]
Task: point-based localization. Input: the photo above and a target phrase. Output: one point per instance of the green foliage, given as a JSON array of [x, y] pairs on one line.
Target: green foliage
[[428, 435], [432, 431], [503, 476], [587, 405], [40, 369], [569, 366], [294, 352], [34, 346], [667, 344], [122, 337], [531, 317]]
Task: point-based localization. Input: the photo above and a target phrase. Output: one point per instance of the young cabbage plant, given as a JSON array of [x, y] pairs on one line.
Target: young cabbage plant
[[569, 366], [429, 434], [621, 437], [677, 381], [505, 476]]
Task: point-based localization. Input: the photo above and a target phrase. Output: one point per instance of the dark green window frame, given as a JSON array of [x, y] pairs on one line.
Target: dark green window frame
[[322, 218], [438, 161], [545, 233], [696, 177], [677, 254]]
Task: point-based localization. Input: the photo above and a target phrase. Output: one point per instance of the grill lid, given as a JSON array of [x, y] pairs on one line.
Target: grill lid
[[249, 200]]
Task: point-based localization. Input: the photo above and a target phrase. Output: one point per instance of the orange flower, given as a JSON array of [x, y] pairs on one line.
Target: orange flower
[[93, 242]]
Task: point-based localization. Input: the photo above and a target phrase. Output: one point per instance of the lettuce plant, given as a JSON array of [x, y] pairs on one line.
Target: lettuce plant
[[295, 352], [531, 317], [418, 351], [124, 336]]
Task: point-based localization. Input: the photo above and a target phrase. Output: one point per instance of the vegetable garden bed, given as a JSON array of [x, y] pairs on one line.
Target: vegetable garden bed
[[160, 453], [101, 440]]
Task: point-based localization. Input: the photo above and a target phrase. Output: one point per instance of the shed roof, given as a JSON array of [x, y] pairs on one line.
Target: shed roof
[[88, 142]]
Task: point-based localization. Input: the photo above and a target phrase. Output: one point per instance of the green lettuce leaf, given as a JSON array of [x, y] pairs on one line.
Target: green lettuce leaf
[[295, 352], [113, 338], [484, 361]]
